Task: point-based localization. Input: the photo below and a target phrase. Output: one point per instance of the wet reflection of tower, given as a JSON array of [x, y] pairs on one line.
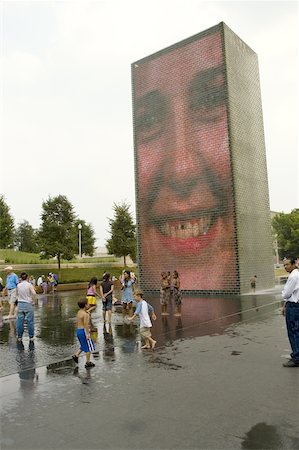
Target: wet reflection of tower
[[128, 333]]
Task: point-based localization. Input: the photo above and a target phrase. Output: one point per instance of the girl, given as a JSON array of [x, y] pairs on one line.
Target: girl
[[177, 294]]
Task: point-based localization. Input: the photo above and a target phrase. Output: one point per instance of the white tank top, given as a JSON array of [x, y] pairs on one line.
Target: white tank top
[[24, 292]]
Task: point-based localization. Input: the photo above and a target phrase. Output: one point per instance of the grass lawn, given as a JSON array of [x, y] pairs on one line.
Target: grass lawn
[[16, 257], [75, 275]]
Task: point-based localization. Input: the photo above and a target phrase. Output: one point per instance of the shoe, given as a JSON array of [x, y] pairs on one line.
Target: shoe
[[89, 364], [75, 358], [290, 363]]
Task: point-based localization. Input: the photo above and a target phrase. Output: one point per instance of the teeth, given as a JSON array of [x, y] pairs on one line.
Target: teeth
[[187, 229]]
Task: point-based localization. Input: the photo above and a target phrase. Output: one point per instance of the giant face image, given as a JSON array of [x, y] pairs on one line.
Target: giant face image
[[184, 184]]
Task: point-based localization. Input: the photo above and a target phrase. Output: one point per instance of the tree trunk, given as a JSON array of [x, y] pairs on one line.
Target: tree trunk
[[125, 262], [58, 258]]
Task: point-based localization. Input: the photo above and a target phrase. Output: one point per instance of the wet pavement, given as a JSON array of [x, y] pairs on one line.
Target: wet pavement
[[215, 380]]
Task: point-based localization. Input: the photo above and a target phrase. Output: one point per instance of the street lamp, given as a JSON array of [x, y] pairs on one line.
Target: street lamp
[[80, 240]]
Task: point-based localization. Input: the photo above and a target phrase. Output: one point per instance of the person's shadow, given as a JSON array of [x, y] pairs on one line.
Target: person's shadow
[[108, 341], [26, 365]]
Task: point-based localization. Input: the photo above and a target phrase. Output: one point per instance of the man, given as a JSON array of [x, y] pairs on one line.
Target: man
[[26, 300], [290, 309], [184, 197], [11, 290]]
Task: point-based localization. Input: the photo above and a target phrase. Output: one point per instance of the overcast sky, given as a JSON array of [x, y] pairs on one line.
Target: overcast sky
[[66, 115]]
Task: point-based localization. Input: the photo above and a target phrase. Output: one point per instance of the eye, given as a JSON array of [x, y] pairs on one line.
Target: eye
[[150, 112], [207, 96]]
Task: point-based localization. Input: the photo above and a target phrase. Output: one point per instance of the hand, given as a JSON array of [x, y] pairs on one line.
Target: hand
[[154, 317], [283, 309]]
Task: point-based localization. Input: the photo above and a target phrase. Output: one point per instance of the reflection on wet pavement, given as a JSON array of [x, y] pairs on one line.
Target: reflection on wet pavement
[[263, 436], [56, 336]]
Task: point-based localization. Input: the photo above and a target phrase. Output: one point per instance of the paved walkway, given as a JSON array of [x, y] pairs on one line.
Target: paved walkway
[[224, 389]]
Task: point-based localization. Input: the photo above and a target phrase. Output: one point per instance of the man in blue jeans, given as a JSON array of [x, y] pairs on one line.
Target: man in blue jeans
[[290, 309], [26, 298], [11, 290]]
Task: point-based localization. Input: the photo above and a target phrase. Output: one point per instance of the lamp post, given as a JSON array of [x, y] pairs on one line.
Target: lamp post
[[80, 240]]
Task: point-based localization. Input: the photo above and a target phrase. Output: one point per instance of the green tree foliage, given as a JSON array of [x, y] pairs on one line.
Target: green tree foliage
[[87, 238], [57, 228], [26, 238], [286, 226], [6, 225], [123, 233]]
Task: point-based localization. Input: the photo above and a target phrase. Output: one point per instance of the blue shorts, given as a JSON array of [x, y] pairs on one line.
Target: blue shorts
[[86, 345]]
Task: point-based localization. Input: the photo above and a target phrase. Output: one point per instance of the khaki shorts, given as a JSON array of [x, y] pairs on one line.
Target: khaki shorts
[[145, 332], [12, 296]]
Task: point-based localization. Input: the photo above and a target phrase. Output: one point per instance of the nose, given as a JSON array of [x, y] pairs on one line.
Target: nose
[[183, 168]]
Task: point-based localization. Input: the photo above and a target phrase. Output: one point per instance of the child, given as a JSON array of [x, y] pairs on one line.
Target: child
[[177, 293], [164, 293], [86, 343], [143, 309], [91, 294]]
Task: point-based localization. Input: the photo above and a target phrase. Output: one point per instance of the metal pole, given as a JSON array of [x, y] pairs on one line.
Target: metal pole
[[80, 240]]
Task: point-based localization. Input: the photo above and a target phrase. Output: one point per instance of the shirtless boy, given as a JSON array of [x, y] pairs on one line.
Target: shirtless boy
[[83, 334]]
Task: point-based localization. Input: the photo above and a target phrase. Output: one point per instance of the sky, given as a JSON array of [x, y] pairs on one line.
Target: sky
[[66, 102]]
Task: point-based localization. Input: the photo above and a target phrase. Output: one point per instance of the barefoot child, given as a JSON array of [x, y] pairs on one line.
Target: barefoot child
[[144, 310], [83, 335]]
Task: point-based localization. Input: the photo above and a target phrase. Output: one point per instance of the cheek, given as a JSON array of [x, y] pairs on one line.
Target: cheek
[[150, 159], [213, 147]]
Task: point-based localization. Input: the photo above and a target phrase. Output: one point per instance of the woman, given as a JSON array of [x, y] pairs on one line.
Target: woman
[[177, 294], [127, 292], [106, 292]]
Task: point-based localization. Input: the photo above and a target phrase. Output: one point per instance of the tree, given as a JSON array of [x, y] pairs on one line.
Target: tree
[[286, 226], [6, 225], [87, 238], [26, 239], [123, 233], [57, 228]]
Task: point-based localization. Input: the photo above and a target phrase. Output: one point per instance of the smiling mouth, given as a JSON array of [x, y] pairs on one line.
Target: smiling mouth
[[186, 227]]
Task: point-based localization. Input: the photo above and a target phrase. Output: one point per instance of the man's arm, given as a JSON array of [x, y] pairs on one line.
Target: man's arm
[[33, 293], [289, 288]]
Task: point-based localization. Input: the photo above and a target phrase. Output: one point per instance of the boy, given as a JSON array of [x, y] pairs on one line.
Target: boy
[[86, 343], [143, 309]]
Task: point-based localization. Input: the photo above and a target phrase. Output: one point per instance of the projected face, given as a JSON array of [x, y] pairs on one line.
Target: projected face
[[184, 196]]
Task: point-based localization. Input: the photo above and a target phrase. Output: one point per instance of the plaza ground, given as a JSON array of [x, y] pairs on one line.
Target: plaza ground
[[215, 381]]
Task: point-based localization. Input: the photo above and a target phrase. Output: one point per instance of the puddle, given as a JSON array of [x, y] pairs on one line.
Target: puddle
[[264, 436], [56, 334]]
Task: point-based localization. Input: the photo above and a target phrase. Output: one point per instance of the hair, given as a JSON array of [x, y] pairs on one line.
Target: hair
[[24, 276], [82, 303], [163, 274], [290, 258], [139, 292], [127, 272], [175, 273], [93, 281], [106, 276]]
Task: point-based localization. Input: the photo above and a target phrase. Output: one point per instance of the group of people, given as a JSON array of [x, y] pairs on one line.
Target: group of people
[[170, 288], [44, 284], [21, 295], [144, 310]]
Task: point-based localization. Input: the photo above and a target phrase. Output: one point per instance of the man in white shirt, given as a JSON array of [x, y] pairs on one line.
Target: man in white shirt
[[26, 298], [290, 310]]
